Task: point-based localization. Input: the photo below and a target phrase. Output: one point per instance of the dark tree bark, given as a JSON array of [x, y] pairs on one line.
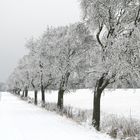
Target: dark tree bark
[[100, 86], [96, 109], [63, 84], [19, 92], [43, 94], [35, 97], [60, 99], [35, 92], [26, 93]]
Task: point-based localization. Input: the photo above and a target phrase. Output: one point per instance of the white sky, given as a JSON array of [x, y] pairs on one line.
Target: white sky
[[22, 19]]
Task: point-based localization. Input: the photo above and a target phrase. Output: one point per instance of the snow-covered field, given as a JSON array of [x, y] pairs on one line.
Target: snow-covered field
[[120, 102], [22, 121]]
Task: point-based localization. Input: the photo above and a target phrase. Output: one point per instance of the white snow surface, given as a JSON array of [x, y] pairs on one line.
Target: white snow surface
[[22, 121], [121, 102]]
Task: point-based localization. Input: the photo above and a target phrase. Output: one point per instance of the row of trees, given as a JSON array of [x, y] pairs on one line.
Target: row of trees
[[54, 61], [104, 48]]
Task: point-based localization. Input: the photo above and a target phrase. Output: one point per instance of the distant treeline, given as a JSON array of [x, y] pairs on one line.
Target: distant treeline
[[2, 86]]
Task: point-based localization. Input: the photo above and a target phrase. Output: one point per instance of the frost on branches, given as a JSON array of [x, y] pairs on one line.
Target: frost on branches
[[115, 26]]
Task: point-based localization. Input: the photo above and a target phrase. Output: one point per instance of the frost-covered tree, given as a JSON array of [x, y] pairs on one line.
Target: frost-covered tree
[[13, 84], [115, 57], [71, 44], [34, 71], [41, 63], [34, 83], [19, 80], [23, 70]]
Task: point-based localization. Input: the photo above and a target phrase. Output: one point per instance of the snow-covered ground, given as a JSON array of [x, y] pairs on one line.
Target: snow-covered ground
[[22, 121], [120, 102]]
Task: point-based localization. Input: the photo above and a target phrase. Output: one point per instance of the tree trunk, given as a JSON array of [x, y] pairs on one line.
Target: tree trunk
[[43, 95], [63, 85], [100, 86], [26, 93], [60, 99], [96, 109], [19, 92], [35, 97]]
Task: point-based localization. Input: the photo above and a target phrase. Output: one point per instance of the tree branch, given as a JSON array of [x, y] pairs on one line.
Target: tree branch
[[137, 17], [98, 35]]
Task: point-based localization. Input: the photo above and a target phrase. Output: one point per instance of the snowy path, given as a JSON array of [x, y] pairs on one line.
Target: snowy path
[[22, 121]]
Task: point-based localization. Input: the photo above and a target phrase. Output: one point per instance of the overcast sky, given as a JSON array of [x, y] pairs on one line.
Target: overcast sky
[[22, 19]]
